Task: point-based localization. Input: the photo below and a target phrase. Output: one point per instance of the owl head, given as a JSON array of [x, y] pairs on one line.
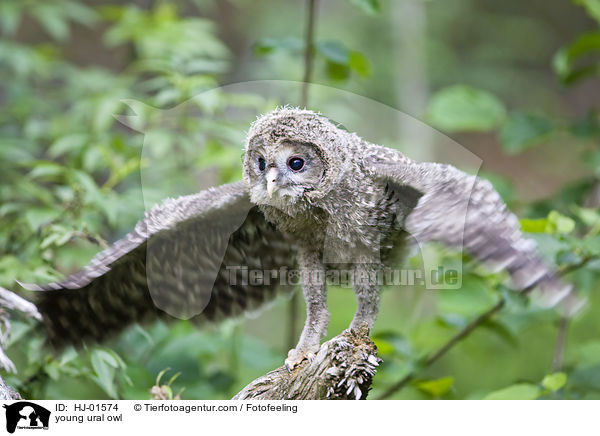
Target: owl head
[[293, 154]]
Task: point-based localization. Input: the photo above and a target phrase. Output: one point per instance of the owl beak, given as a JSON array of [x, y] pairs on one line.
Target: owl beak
[[272, 176]]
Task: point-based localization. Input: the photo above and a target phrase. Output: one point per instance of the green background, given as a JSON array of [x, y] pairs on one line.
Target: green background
[[515, 83]]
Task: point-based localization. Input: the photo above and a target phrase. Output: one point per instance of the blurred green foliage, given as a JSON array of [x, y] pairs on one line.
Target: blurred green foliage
[[71, 177], [566, 240]]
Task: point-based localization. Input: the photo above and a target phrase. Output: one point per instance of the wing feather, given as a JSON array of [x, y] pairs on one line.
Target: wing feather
[[461, 210], [184, 259]]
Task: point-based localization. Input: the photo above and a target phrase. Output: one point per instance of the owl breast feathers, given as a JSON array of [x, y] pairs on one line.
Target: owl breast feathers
[[313, 197]]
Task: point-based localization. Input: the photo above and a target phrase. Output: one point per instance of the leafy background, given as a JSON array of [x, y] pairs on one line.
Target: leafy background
[[514, 82]]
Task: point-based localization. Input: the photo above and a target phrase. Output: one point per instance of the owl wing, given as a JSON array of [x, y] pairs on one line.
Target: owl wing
[[461, 210], [187, 258]]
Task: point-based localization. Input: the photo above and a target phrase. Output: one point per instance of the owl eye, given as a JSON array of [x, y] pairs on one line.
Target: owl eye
[[296, 163], [261, 164]]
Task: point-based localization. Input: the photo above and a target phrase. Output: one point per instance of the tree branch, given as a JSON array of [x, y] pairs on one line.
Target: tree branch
[[8, 393], [343, 369], [11, 302]]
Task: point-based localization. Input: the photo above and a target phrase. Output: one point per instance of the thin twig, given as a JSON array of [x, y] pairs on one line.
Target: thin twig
[[466, 331], [309, 53], [559, 348], [309, 50], [563, 324], [575, 266], [469, 328]]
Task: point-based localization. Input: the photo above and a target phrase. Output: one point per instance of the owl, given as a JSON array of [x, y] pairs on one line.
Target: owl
[[313, 199]]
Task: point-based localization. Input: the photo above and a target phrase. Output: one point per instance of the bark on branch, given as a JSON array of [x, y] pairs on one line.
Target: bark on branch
[[7, 392], [343, 369], [10, 303]]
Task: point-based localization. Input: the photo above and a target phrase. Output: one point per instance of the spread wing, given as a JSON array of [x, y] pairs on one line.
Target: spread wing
[[461, 210], [187, 258]]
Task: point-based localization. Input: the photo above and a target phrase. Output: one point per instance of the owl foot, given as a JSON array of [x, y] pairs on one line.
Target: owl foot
[[297, 355]]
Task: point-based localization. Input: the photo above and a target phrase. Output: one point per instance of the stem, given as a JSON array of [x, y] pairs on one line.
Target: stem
[[309, 51], [309, 54], [559, 348]]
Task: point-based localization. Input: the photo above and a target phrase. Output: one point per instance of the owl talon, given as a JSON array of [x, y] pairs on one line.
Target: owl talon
[[298, 355]]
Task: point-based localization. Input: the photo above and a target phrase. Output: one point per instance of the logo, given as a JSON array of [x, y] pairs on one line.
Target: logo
[[26, 415]]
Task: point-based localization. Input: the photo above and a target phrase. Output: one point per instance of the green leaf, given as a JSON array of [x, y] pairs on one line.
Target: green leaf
[[559, 224], [554, 224], [471, 299], [52, 370], [58, 237], [68, 355], [333, 51], [52, 20], [587, 126], [93, 159], [568, 60], [106, 357], [592, 159], [578, 74], [81, 13], [105, 372], [91, 191], [36, 218], [500, 329], [383, 347], [393, 343], [67, 143], [268, 45], [370, 7], [46, 170], [360, 64], [105, 113], [588, 354], [114, 357], [463, 108], [523, 130], [553, 382], [591, 6], [567, 257], [436, 388], [337, 71], [10, 17], [534, 226], [586, 378], [522, 391], [8, 208]]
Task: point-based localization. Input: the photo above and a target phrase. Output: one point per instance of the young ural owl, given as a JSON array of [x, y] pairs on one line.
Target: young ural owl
[[312, 195]]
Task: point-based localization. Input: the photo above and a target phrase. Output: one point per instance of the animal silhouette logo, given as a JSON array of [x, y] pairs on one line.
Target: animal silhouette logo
[[26, 415]]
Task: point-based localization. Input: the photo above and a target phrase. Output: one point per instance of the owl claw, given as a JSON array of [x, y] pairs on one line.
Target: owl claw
[[297, 355]]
